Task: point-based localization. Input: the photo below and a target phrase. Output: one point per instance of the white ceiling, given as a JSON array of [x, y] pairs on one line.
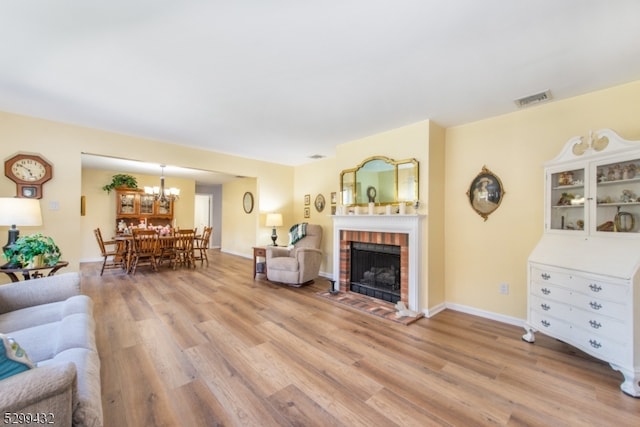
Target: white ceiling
[[282, 80]]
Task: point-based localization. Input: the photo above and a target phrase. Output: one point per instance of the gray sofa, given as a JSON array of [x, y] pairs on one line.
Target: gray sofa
[[53, 323]]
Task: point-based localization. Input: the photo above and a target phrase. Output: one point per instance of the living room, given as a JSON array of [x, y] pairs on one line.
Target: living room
[[473, 271]]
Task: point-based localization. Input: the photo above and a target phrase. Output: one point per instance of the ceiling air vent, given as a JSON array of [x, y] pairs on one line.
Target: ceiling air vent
[[536, 98], [316, 156]]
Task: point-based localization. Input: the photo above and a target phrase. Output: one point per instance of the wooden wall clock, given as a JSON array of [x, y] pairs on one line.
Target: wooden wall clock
[[29, 172]]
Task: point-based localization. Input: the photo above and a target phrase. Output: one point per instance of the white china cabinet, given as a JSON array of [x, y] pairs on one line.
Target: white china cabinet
[[584, 273]]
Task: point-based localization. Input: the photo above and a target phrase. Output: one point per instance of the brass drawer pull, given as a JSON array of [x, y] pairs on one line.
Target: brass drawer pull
[[595, 305], [595, 288], [595, 344], [594, 324]]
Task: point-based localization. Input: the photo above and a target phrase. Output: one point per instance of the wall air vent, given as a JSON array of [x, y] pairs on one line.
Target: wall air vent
[[536, 98]]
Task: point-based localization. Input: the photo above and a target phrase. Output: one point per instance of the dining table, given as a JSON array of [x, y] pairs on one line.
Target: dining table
[[165, 243]]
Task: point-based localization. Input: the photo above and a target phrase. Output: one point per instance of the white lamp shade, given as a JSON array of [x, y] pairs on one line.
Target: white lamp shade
[[274, 220], [20, 211]]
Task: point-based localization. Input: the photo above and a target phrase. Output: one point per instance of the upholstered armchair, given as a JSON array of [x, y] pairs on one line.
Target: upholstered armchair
[[298, 264]]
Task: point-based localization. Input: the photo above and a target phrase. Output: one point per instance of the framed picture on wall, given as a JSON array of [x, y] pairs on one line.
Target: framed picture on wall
[[319, 203], [485, 193], [334, 198], [307, 199], [307, 212]]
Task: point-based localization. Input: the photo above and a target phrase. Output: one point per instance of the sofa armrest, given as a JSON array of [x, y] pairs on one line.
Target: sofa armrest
[[44, 392], [277, 251], [27, 293]]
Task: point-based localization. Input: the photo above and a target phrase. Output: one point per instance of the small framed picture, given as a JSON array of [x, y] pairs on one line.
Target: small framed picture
[[333, 210], [319, 203], [307, 199], [334, 198], [307, 212]]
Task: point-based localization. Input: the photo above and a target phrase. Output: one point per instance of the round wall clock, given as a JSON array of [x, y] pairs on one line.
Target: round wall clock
[[29, 172], [247, 202]]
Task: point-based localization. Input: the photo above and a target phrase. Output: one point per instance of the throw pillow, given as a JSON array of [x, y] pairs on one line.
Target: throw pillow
[[297, 232], [13, 359]]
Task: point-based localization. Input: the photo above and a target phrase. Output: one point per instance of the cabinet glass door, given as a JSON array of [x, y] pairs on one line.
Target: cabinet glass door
[[126, 204], [567, 200], [146, 204], [618, 197]]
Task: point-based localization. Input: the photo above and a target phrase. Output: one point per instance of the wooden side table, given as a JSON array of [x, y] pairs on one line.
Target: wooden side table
[[37, 271], [259, 252]]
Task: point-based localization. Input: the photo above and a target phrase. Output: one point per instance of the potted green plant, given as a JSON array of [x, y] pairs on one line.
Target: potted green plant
[[34, 250], [121, 180]]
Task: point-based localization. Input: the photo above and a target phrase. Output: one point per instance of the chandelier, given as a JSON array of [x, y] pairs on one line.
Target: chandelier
[[161, 193]]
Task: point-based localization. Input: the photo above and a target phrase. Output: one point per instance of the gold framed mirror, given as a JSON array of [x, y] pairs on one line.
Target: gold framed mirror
[[380, 180]]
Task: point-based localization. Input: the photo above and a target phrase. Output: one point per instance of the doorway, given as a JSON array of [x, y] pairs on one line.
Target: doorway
[[202, 212]]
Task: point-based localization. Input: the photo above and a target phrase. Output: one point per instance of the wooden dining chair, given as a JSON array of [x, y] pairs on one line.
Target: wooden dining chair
[[166, 248], [183, 248], [201, 246], [112, 252], [145, 249]]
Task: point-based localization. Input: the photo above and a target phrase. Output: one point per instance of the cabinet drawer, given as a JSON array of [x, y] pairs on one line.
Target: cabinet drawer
[[599, 346], [550, 307], [549, 276], [600, 306], [603, 290], [550, 291], [600, 325], [549, 325]]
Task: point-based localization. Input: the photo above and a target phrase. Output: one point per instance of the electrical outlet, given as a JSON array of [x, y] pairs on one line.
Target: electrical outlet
[[504, 288]]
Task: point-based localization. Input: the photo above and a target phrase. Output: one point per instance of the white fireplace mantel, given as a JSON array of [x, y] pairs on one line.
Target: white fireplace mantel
[[408, 224]]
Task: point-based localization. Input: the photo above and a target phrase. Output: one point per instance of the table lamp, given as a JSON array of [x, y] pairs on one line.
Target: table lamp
[[274, 220], [16, 211]]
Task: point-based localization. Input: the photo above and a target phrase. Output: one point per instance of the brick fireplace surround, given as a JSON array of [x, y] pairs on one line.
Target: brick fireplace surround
[[398, 230], [380, 238]]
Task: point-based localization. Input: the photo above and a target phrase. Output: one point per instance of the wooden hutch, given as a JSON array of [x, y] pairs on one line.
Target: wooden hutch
[[134, 205]]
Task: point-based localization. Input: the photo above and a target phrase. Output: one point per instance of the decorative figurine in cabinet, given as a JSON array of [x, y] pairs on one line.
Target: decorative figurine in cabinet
[[584, 273]]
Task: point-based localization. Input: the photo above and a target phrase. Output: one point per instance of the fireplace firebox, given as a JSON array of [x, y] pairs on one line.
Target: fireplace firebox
[[375, 270]]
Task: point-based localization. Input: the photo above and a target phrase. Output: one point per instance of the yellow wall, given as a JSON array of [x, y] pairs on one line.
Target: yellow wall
[[318, 177], [435, 236], [480, 255], [238, 226]]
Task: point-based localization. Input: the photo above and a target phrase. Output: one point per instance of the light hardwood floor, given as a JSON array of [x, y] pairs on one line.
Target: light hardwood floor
[[211, 346]]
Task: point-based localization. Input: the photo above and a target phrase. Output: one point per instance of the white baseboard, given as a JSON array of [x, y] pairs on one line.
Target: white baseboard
[[486, 314], [237, 254]]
